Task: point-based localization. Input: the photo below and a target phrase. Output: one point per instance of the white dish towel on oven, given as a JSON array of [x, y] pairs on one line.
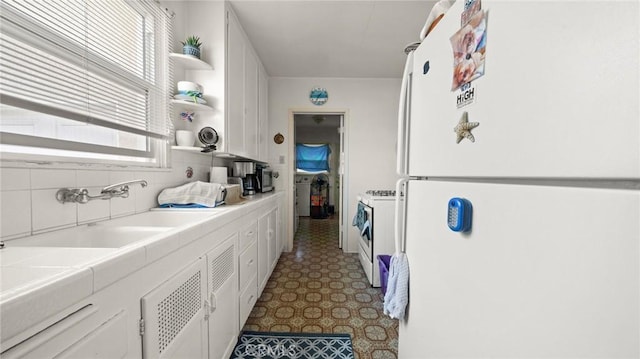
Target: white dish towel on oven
[[397, 296]]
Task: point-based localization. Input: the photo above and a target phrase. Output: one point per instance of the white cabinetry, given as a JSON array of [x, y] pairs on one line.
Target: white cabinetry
[[235, 87], [238, 89], [222, 303], [243, 93], [263, 250], [173, 315], [189, 300], [81, 334], [267, 247], [263, 120], [250, 102], [248, 268]]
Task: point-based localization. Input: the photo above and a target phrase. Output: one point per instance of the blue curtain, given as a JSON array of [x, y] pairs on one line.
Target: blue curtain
[[312, 158]]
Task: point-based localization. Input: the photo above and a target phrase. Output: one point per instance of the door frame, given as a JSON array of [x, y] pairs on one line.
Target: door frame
[[344, 164]]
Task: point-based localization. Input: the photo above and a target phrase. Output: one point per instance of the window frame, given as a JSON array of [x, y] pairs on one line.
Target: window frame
[[16, 147]]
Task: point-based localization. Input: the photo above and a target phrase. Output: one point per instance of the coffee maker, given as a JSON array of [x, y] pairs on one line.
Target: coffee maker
[[247, 171]]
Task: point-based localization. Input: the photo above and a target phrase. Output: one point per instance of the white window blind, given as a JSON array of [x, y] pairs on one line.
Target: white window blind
[[88, 75]]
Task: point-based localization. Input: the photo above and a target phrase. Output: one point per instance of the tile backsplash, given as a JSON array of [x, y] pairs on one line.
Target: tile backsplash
[[27, 195]]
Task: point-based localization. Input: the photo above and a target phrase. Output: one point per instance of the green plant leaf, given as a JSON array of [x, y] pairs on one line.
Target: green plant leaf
[[192, 41]]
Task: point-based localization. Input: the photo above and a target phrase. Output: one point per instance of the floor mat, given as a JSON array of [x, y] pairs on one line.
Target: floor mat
[[266, 345]]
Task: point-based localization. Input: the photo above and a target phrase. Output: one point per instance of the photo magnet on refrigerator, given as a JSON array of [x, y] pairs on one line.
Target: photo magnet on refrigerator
[[469, 50]]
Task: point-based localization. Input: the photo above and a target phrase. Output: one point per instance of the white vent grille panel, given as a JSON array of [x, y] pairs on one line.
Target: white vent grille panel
[[177, 309], [222, 268]]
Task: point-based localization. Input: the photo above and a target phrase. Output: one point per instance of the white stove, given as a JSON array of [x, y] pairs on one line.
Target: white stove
[[377, 195], [376, 214]]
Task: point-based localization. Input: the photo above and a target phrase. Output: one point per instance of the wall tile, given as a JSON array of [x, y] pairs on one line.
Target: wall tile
[[147, 198], [49, 179], [123, 206], [15, 179], [92, 178], [39, 211], [93, 210], [121, 176], [48, 213], [15, 213]]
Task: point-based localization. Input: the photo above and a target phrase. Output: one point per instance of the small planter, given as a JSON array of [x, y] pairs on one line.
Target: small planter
[[191, 50], [191, 46]]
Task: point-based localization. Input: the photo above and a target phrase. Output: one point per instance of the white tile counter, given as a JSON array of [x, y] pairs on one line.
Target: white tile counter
[[37, 282]]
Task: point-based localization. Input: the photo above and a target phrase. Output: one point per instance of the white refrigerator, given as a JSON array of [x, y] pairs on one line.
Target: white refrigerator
[[550, 267]]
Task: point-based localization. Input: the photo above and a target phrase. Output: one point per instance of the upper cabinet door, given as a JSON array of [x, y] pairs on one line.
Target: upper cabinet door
[[559, 96], [235, 87], [263, 116], [250, 102]]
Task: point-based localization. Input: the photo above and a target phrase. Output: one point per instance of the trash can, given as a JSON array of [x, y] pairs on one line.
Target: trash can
[[383, 263]]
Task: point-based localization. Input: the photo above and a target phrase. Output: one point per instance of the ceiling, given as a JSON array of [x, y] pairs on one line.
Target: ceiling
[[320, 38]]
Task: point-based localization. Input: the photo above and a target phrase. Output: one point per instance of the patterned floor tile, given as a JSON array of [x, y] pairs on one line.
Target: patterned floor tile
[[316, 288]]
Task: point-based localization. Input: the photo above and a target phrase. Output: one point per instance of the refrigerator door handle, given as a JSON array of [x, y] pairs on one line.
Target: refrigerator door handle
[[398, 215], [403, 120]]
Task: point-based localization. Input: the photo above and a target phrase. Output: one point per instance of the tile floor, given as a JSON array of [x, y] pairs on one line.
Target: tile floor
[[318, 288]]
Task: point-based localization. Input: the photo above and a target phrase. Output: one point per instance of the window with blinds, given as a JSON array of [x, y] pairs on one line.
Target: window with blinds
[[85, 78]]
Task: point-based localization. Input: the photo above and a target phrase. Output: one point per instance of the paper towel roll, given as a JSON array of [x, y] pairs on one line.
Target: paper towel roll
[[218, 175]]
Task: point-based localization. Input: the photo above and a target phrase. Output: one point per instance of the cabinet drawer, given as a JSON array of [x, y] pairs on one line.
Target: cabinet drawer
[[248, 299], [248, 264], [248, 234]]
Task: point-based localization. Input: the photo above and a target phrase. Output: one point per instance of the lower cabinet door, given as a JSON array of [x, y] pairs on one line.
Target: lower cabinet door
[[107, 341], [263, 252], [173, 316], [274, 254], [222, 272], [77, 336]]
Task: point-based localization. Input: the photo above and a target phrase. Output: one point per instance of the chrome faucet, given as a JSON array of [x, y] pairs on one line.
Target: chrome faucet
[[81, 195], [122, 188]]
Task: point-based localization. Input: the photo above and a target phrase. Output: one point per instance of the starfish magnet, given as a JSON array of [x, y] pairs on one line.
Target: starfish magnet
[[464, 127]]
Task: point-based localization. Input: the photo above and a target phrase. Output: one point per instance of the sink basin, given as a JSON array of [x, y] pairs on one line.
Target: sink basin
[[154, 218], [92, 236], [113, 233]]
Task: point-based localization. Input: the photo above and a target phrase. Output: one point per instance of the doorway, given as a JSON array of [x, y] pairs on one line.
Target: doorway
[[317, 193]]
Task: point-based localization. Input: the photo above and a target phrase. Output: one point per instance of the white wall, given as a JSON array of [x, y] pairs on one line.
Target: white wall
[[370, 122]]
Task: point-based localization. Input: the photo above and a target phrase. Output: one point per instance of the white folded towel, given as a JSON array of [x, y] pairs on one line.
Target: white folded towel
[[202, 193], [397, 296]]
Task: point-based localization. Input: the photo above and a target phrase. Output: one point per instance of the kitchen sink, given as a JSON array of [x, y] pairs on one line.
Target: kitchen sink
[[154, 218], [89, 236], [113, 233]]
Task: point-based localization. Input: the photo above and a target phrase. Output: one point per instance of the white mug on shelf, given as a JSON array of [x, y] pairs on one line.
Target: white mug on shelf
[[185, 138]]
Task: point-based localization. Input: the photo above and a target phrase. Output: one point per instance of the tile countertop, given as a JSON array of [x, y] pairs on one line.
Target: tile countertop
[[37, 282]]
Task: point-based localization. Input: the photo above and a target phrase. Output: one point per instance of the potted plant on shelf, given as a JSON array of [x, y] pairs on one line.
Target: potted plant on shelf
[[191, 46]]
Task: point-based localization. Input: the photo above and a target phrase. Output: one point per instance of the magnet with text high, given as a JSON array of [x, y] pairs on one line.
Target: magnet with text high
[[425, 68], [464, 127]]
